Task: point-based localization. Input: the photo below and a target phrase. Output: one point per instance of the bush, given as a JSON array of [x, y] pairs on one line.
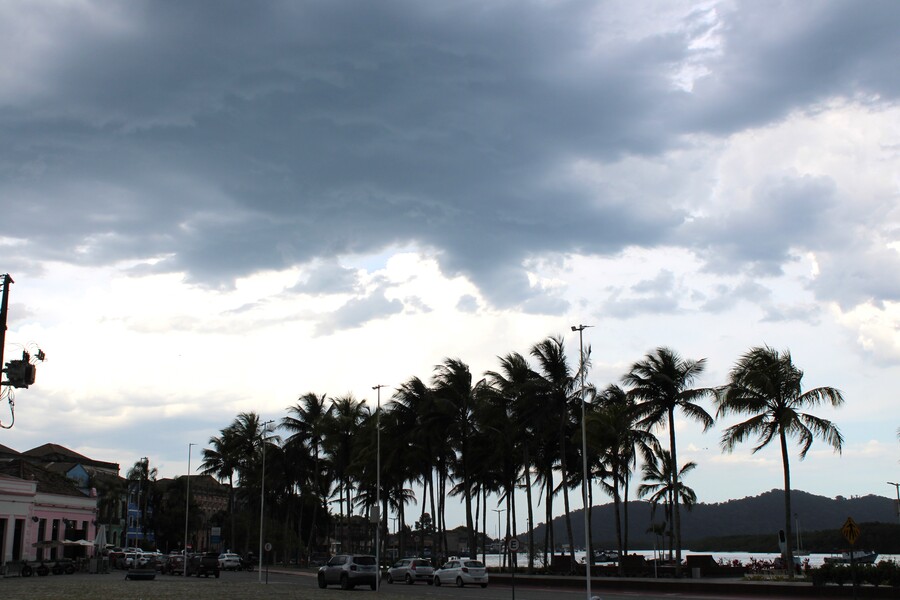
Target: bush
[[884, 573]]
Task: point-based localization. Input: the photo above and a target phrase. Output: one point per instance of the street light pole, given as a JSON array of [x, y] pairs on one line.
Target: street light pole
[[187, 507], [588, 558], [897, 486], [262, 492], [499, 511], [377, 389]]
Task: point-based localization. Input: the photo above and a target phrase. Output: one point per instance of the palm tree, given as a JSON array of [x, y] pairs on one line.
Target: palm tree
[[558, 391], [662, 383], [412, 413], [661, 486], [765, 385], [145, 478], [454, 390], [612, 425], [345, 418], [515, 384], [220, 461], [306, 424]]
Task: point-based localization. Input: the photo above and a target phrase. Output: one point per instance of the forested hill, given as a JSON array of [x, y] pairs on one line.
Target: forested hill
[[756, 515]]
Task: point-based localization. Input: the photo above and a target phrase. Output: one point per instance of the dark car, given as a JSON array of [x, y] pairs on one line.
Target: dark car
[[348, 571], [205, 564], [173, 565]]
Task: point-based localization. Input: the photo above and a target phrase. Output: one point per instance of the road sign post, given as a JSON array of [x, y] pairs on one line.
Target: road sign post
[[850, 531], [513, 546]]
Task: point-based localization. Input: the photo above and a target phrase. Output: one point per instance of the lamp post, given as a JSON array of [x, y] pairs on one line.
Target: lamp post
[[377, 389], [498, 511], [588, 558], [897, 487], [266, 428], [187, 507]]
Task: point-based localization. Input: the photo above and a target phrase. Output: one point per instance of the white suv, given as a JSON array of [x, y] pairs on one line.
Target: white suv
[[229, 562]]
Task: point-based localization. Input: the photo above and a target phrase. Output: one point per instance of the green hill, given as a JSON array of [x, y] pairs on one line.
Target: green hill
[[749, 524]]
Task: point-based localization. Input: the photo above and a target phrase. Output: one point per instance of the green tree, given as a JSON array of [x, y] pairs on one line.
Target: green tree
[[458, 396], [346, 416], [559, 392], [515, 386], [414, 420], [614, 432], [143, 477], [306, 423], [661, 383], [660, 486], [220, 460], [766, 385]]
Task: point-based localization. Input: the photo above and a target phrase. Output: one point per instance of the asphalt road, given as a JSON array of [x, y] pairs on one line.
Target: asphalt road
[[293, 585]]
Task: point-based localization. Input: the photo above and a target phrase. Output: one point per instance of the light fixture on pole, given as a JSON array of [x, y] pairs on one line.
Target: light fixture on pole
[[897, 486], [377, 389], [266, 428], [588, 558], [187, 507], [499, 548]]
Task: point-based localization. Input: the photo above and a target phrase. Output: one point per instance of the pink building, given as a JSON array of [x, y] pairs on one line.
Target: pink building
[[37, 505]]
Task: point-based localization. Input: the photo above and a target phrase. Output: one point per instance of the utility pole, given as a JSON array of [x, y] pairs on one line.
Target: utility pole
[[4, 306]]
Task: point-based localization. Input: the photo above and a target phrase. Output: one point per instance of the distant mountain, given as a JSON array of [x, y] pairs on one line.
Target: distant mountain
[[756, 515]]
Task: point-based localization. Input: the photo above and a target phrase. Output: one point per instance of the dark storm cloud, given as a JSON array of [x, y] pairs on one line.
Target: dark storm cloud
[[225, 138], [781, 56], [785, 215]]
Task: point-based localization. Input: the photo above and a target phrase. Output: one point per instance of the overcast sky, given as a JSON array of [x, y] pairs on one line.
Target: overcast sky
[[216, 207]]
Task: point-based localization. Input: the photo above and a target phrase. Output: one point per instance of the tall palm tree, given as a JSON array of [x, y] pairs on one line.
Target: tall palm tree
[[306, 424], [412, 413], [345, 418], [613, 429], [558, 390], [766, 385], [220, 460], [454, 390], [662, 487], [515, 384], [661, 382], [144, 477]]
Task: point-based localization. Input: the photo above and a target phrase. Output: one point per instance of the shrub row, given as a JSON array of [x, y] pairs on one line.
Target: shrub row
[[886, 572]]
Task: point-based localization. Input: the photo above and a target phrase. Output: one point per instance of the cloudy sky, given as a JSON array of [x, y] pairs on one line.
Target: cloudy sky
[[216, 207]]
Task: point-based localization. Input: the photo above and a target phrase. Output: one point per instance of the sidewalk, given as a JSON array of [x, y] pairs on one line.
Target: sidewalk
[[800, 589]]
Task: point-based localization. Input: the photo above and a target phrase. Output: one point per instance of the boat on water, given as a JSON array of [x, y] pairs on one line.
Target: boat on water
[[601, 556], [857, 556]]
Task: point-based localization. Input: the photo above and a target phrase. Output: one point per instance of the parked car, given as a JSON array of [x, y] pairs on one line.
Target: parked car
[[461, 572], [229, 561], [411, 570], [174, 565], [205, 564], [247, 562], [128, 560], [349, 570]]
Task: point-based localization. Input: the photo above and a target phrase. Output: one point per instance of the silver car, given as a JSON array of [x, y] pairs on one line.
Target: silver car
[[348, 571], [411, 570], [461, 572]]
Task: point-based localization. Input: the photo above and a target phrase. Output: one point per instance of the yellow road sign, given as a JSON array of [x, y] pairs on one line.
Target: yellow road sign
[[850, 530]]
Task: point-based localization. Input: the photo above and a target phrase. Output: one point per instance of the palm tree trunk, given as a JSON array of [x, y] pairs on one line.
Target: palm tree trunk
[[565, 488], [676, 513], [549, 541], [617, 501], [625, 516], [530, 515], [788, 550], [233, 536]]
